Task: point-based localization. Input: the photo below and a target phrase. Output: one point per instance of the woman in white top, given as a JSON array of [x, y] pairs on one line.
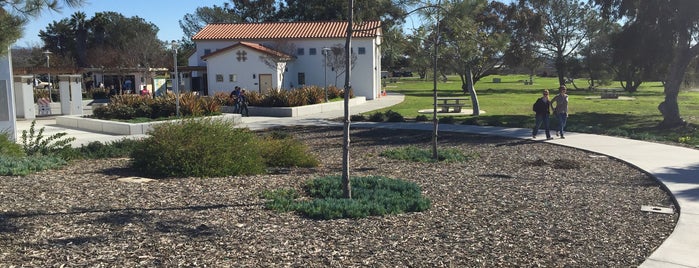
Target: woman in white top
[[559, 103]]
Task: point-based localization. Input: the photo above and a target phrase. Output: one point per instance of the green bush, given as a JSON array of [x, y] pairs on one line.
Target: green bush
[[392, 116], [21, 166], [357, 118], [447, 120], [377, 117], [200, 148], [35, 143], [281, 150], [421, 118], [412, 153], [97, 150], [8, 147], [371, 196]]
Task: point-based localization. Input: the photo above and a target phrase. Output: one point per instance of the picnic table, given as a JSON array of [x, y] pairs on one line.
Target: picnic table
[[445, 103]]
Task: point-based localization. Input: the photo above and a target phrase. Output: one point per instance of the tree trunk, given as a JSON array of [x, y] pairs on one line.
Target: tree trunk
[[561, 69], [472, 92], [682, 55]]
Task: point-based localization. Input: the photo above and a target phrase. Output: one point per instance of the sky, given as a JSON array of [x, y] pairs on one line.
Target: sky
[[165, 14]]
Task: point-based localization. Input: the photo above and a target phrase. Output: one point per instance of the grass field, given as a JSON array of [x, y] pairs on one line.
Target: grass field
[[509, 103]]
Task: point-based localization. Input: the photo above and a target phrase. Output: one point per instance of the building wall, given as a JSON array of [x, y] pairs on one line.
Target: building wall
[[366, 71], [245, 74]]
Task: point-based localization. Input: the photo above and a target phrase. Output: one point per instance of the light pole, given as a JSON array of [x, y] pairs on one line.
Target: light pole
[[176, 81], [325, 71], [48, 70]]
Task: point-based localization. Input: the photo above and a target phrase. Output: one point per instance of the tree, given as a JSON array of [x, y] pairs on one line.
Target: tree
[[564, 30], [14, 14], [418, 49], [474, 40], [337, 62], [596, 52], [526, 31], [672, 23], [192, 23]]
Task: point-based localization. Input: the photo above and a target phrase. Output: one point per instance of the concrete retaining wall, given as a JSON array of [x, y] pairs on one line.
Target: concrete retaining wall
[[121, 128], [298, 111]]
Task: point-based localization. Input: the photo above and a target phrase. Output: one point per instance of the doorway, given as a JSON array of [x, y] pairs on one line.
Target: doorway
[[265, 83]]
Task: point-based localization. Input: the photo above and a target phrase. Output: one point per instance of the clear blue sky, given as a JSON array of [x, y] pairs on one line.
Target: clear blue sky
[[165, 14]]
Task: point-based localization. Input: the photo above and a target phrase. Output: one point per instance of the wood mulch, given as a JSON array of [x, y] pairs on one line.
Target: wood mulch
[[518, 203]]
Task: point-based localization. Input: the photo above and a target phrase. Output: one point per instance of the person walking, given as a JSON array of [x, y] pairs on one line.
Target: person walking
[[541, 108], [560, 110], [243, 101], [235, 96]]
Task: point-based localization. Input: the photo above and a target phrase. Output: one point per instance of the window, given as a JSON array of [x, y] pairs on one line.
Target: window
[[361, 50], [311, 51], [302, 78], [207, 51], [299, 51], [232, 78], [219, 78]]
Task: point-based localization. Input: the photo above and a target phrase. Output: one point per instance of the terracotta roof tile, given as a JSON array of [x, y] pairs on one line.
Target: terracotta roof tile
[[285, 30], [254, 46]]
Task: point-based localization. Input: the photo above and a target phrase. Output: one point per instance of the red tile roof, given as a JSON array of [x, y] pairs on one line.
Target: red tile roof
[[286, 30], [254, 46]]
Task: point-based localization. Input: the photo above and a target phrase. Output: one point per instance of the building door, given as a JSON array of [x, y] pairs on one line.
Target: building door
[[265, 83]]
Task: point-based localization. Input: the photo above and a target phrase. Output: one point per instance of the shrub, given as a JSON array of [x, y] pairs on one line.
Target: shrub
[[421, 118], [377, 117], [372, 196], [120, 148], [282, 150], [100, 93], [8, 147], [447, 120], [357, 117], [201, 148], [392, 116], [415, 154], [335, 92], [21, 166], [34, 143]]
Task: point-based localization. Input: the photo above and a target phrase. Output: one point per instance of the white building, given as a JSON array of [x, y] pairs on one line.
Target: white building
[[285, 55]]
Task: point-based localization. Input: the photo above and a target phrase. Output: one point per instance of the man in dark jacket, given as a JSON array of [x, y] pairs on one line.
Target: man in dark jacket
[[541, 108]]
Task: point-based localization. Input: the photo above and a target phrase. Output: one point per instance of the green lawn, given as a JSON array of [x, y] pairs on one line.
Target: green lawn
[[509, 103]]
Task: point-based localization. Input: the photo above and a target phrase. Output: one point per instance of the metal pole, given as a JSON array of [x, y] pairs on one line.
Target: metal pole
[[325, 71], [176, 81], [48, 70]]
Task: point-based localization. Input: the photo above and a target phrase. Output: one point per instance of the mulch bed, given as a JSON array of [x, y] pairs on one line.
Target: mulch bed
[[518, 203]]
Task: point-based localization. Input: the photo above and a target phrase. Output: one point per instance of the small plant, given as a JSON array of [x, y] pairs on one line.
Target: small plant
[[97, 150], [357, 118], [22, 166], [372, 196], [447, 120], [377, 117], [421, 118], [415, 154], [281, 150], [8, 147], [34, 143], [392, 116]]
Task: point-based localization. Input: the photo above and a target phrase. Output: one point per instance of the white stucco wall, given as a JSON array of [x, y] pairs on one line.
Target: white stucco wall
[[246, 73], [366, 73]]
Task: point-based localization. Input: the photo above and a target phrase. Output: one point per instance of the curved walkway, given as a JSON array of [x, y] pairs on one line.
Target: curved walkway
[[677, 168]]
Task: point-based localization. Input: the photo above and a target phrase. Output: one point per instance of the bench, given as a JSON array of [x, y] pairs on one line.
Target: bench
[[609, 94], [445, 103]]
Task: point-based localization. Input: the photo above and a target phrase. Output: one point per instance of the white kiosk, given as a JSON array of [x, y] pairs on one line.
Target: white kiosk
[[70, 87], [24, 97], [8, 122]]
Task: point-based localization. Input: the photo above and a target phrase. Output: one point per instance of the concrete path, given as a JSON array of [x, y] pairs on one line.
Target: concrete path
[[677, 168]]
